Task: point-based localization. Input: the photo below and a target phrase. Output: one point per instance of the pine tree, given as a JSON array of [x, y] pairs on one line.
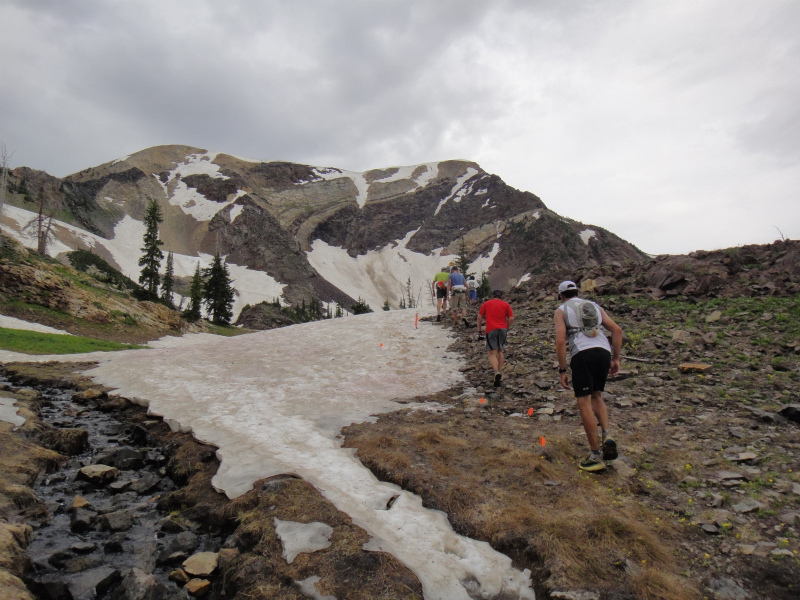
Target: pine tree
[[386, 306], [484, 288], [168, 282], [219, 293], [462, 262], [192, 312], [152, 255]]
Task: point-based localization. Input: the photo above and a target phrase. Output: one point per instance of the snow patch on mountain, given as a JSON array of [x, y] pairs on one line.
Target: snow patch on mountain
[[198, 164], [379, 275], [586, 235], [458, 190], [383, 274]]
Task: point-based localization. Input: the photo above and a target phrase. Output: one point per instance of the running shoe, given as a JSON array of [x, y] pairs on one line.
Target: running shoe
[[497, 378], [438, 318], [609, 449], [466, 323], [591, 465]]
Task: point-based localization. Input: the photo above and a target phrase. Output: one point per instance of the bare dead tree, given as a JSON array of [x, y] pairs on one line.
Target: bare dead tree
[[780, 233], [4, 157], [42, 223]]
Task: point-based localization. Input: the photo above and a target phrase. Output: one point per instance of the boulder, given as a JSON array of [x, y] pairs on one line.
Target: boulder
[[95, 581], [98, 475]]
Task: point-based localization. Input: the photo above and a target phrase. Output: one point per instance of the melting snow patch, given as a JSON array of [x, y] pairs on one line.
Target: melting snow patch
[[485, 204], [586, 235], [274, 402], [302, 537], [236, 210], [198, 164], [308, 586], [8, 412], [524, 278]]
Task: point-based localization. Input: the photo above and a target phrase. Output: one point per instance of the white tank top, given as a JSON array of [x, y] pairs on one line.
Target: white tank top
[[579, 341]]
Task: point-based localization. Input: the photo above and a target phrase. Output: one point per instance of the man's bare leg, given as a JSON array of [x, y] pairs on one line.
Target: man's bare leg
[[589, 421]]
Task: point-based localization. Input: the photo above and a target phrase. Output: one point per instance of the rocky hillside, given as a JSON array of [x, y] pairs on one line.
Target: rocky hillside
[[315, 232], [45, 291]]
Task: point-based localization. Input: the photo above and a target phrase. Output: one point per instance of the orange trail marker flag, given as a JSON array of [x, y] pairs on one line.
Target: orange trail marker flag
[[542, 441], [381, 344], [416, 321], [530, 412], [483, 400]]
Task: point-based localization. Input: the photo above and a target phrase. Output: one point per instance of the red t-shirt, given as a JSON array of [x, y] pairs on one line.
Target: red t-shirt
[[495, 312]]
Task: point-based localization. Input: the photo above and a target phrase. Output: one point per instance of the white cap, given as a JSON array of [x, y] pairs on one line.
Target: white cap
[[566, 285]]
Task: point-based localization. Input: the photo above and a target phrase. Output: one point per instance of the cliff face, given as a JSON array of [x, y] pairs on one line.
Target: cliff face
[[287, 220]]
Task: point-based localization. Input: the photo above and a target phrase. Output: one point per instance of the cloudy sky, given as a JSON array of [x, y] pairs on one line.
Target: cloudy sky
[[675, 124]]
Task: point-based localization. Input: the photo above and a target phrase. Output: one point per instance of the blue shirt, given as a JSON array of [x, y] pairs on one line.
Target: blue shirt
[[456, 279]]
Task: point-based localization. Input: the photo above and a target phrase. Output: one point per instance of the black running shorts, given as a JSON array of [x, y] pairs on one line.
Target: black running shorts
[[441, 292], [496, 339], [590, 371]]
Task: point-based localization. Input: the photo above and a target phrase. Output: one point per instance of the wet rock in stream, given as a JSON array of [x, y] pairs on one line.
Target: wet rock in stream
[[103, 536]]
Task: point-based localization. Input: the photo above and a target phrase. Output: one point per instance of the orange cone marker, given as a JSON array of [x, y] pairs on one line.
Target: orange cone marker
[[381, 344], [483, 401], [542, 441], [530, 412]]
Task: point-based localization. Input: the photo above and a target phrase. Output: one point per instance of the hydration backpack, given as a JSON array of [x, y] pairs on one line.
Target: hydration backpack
[[589, 317]]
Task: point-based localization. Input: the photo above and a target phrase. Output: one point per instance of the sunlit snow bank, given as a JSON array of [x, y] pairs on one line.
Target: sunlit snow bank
[[251, 286], [274, 402]]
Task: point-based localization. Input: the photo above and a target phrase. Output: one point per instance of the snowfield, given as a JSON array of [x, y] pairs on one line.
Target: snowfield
[[275, 401]]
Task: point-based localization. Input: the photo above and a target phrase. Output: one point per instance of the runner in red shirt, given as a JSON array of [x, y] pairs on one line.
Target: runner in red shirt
[[499, 317]]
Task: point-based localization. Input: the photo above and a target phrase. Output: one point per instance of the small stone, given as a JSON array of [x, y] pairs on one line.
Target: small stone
[[796, 489], [745, 456], [95, 581], [730, 475], [113, 545], [227, 556], [782, 552], [714, 316], [79, 502], [119, 520], [201, 564], [82, 520], [146, 483], [747, 506], [746, 549], [83, 547], [543, 385], [179, 576], [694, 368], [118, 486], [545, 411], [198, 587], [710, 528], [727, 589]]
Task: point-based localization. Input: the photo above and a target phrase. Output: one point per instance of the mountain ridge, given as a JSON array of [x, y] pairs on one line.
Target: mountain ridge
[[291, 221]]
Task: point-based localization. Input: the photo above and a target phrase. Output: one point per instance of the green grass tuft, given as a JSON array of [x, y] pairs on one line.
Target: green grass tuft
[[34, 342]]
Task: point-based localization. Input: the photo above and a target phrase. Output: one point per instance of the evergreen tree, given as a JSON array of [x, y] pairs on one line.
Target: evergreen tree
[[168, 282], [152, 255], [360, 307], [462, 262], [192, 312], [386, 306], [411, 303], [484, 288], [219, 293]]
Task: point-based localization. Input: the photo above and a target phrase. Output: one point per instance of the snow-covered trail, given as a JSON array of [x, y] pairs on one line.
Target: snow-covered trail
[[275, 401]]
